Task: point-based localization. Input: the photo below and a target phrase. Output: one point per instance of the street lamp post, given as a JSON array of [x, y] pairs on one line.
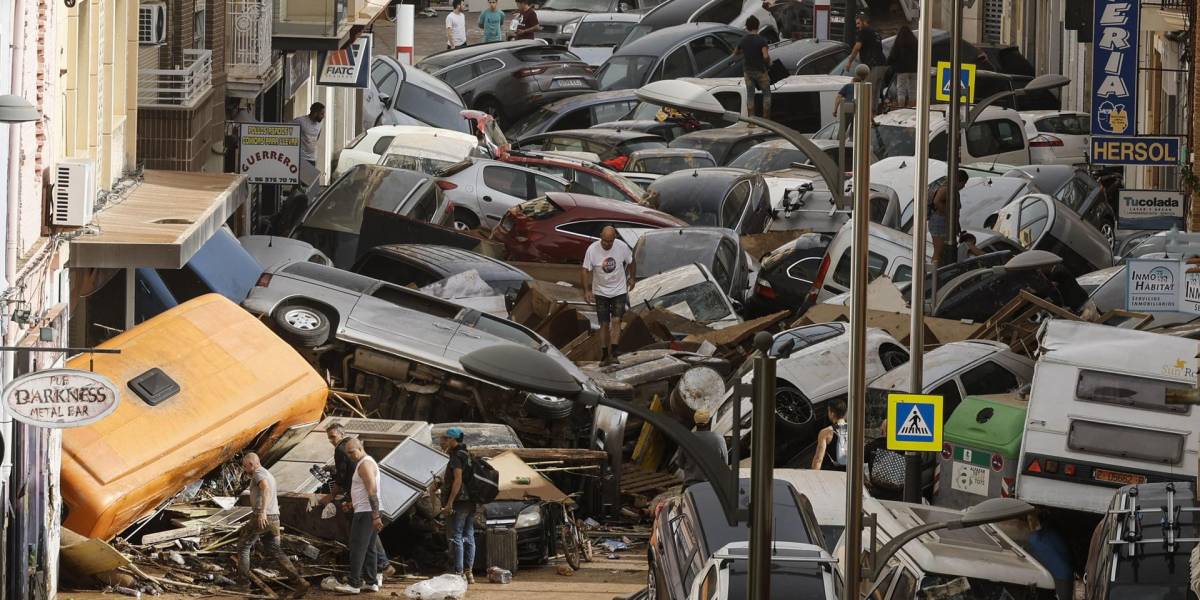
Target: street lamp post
[[952, 130], [762, 469]]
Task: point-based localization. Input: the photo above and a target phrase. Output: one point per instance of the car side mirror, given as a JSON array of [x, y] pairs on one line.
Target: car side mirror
[[624, 7], [386, 100]]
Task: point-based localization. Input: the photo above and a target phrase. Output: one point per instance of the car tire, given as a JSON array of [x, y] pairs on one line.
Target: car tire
[[302, 324], [794, 412], [654, 586], [548, 407], [464, 219]]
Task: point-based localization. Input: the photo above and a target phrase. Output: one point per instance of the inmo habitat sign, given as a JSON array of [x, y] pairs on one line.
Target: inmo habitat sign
[[60, 398]]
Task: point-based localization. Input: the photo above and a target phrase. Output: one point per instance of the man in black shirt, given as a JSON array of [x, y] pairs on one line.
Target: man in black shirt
[[343, 472], [457, 504], [755, 60], [868, 49]]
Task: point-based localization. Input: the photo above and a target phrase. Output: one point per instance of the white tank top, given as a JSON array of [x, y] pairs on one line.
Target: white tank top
[[358, 490]]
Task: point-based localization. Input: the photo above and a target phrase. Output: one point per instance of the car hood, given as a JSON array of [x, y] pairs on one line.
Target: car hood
[[559, 17]]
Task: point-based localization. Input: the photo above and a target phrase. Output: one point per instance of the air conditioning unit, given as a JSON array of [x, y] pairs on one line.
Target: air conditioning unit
[[74, 198], [152, 23]]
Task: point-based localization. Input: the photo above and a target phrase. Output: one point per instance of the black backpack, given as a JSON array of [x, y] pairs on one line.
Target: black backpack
[[482, 480]]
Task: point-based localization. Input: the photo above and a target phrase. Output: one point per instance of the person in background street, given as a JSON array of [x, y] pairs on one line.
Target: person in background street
[[1049, 548], [457, 504], [264, 521], [846, 94], [525, 24], [310, 132], [343, 476], [967, 247], [903, 63], [756, 59], [712, 442], [831, 453], [456, 27], [491, 21], [366, 523], [868, 49], [608, 275], [939, 217]]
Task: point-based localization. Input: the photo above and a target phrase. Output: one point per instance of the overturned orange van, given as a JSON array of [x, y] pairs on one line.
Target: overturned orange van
[[199, 383]]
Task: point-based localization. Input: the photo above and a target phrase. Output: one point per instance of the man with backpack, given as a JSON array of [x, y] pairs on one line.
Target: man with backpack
[[458, 504], [868, 49]]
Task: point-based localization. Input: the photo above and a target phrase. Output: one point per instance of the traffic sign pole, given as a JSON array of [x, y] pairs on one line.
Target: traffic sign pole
[[916, 324], [952, 131]]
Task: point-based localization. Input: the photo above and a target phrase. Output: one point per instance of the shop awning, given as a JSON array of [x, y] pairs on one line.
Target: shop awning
[[162, 222]]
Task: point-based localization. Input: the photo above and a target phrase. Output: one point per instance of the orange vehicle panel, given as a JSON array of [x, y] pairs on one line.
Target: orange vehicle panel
[[236, 379]]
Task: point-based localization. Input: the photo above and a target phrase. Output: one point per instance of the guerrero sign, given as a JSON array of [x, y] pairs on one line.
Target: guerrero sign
[[61, 398], [270, 152], [1150, 209], [347, 67], [1114, 67]]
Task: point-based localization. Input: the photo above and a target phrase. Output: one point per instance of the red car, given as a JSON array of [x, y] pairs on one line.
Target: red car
[[559, 227]]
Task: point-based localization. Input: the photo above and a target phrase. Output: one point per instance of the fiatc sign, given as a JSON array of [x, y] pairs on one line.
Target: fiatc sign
[[1114, 67], [270, 152], [60, 398]]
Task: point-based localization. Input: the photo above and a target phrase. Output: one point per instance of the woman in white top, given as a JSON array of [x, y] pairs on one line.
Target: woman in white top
[[832, 447]]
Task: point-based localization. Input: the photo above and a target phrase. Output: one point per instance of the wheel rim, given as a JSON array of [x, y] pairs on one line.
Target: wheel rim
[[302, 319], [651, 584], [792, 406], [461, 226]]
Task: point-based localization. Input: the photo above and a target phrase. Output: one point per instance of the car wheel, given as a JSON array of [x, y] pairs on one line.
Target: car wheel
[[793, 410], [491, 107], [653, 585], [1109, 230], [891, 358], [465, 220], [302, 325], [548, 407]]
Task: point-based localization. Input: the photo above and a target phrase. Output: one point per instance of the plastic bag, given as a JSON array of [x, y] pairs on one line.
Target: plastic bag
[[498, 575], [467, 284], [329, 512], [442, 587]]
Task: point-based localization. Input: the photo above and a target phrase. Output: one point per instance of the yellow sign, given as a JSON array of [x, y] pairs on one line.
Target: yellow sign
[[914, 422], [966, 77]]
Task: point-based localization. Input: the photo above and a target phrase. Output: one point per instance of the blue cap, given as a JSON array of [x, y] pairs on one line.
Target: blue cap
[[455, 433]]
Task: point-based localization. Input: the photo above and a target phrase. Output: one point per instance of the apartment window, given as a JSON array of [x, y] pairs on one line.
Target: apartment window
[[200, 25], [152, 23]]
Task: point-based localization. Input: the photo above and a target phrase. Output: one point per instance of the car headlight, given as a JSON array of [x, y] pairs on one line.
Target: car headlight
[[569, 28], [530, 517]]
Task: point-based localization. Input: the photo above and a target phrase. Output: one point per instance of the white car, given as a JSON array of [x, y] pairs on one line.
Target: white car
[[482, 190], [598, 34], [998, 135], [428, 149], [1058, 137], [365, 149]]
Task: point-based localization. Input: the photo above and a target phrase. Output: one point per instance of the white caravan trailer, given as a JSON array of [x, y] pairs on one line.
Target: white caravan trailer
[[1098, 417]]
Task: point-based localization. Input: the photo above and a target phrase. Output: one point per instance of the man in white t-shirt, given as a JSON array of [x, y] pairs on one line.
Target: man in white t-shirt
[[608, 275], [456, 27]]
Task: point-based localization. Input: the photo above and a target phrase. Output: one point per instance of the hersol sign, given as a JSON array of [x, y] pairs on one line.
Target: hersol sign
[[60, 398]]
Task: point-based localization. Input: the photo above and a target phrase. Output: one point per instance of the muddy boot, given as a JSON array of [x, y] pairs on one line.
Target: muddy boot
[[299, 588]]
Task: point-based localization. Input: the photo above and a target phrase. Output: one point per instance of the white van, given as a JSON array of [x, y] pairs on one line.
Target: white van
[[889, 253], [802, 102], [998, 135], [1098, 417]]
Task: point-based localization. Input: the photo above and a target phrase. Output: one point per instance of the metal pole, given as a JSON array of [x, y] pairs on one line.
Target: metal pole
[[952, 131], [762, 468], [920, 229], [856, 412]]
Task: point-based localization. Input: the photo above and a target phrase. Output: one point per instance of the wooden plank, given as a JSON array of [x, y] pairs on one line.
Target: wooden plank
[[579, 455], [171, 534]]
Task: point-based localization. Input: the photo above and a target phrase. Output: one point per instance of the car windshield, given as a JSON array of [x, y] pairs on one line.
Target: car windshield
[[768, 159], [624, 72], [433, 109], [692, 210], [662, 252], [606, 34], [431, 166], [662, 165], [340, 208], [893, 140], [580, 5], [797, 581], [703, 302], [531, 124]]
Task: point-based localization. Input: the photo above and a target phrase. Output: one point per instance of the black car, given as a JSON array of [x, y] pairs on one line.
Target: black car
[[333, 222], [576, 112], [726, 143], [613, 147], [689, 50], [424, 264], [690, 530], [1130, 555], [718, 249], [977, 295], [509, 80], [785, 275], [668, 130], [718, 197]]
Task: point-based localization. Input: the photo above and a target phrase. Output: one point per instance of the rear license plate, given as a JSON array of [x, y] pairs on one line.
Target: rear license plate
[[970, 479], [1118, 477], [568, 83]]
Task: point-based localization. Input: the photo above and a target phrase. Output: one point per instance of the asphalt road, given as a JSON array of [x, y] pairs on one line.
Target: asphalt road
[[429, 35]]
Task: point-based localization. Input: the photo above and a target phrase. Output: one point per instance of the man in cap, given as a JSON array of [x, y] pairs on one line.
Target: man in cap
[[457, 504], [264, 523]]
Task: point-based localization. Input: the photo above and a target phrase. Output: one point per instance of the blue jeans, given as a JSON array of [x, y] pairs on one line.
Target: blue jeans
[[462, 536]]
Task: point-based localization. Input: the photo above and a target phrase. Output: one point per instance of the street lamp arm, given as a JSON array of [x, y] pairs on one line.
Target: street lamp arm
[[825, 166], [881, 557], [986, 102]]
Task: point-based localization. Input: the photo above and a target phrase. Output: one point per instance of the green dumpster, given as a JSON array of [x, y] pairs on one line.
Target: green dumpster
[[981, 445]]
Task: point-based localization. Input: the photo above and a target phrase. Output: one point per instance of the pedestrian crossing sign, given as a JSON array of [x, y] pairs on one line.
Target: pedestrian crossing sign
[[914, 422], [966, 77]]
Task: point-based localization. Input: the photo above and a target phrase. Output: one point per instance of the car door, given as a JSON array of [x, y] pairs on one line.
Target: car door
[[429, 326], [997, 140], [711, 55], [733, 207], [503, 186], [377, 98]]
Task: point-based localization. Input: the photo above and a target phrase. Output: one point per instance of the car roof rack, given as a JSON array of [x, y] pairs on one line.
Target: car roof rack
[[1128, 533]]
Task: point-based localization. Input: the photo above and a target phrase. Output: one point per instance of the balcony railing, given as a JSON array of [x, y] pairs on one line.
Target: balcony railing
[[181, 87], [309, 18], [249, 51]]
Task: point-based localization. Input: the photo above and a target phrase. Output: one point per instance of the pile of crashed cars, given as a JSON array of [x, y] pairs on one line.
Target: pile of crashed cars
[[439, 236]]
